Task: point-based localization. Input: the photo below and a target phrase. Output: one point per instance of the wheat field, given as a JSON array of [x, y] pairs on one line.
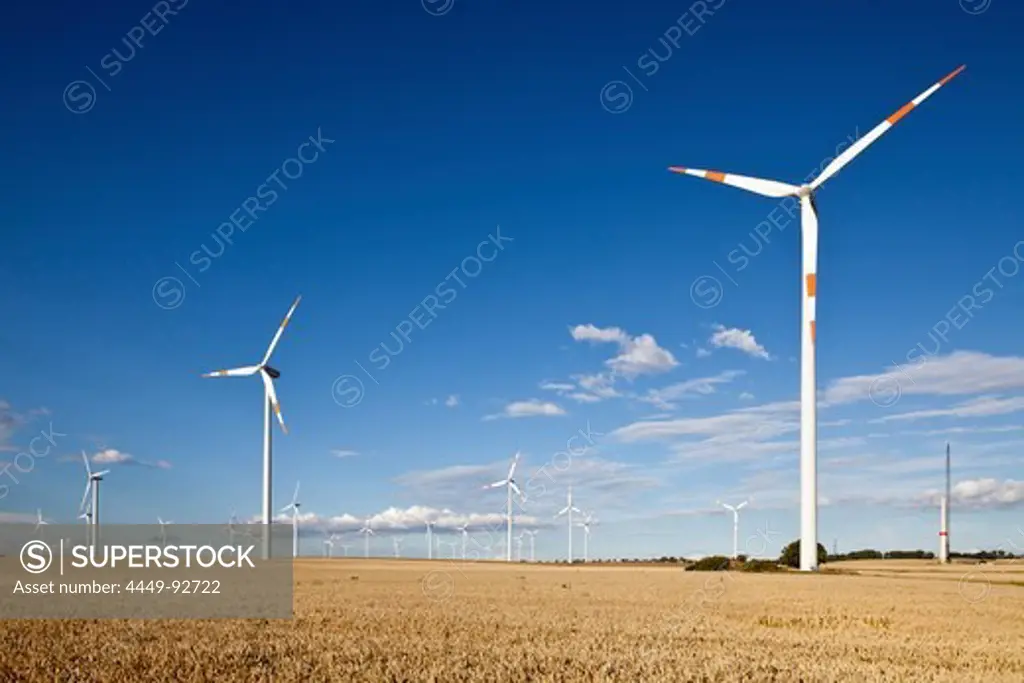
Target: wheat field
[[398, 620]]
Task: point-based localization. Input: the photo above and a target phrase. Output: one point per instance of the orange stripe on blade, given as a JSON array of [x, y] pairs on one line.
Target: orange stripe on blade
[[813, 336], [901, 112], [812, 284], [716, 176], [677, 169], [951, 76]]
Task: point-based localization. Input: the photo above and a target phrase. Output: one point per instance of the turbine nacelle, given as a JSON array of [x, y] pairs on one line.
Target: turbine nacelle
[[274, 374]]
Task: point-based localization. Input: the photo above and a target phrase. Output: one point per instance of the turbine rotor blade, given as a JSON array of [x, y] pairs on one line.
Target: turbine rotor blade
[[562, 511], [768, 188], [235, 372], [100, 473], [497, 484], [85, 495], [280, 330], [856, 148], [268, 383], [515, 488], [295, 496], [512, 467], [85, 459]]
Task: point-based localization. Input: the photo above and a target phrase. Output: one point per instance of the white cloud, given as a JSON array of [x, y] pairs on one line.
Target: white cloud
[[582, 397], [735, 338], [663, 398], [408, 520], [702, 352], [960, 373], [976, 407], [112, 456], [977, 494], [560, 387], [530, 408], [988, 493], [746, 396], [639, 355], [451, 401], [342, 453]]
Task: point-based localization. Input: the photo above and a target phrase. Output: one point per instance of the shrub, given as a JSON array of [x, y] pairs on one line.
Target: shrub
[[715, 563], [759, 566], [791, 555]]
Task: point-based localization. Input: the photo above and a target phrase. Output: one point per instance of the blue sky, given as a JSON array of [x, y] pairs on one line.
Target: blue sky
[[425, 129]]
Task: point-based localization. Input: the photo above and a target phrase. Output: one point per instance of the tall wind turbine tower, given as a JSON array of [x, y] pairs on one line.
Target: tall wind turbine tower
[[735, 526], [294, 507], [271, 406], [509, 483], [808, 338], [569, 509], [944, 512]]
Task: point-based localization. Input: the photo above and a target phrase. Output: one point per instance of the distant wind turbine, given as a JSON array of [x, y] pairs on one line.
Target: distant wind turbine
[[569, 509], [163, 533], [92, 482], [366, 531], [735, 525], [587, 521], [294, 507], [533, 535], [510, 483], [430, 539], [397, 542], [464, 530], [268, 374], [40, 522], [808, 339]]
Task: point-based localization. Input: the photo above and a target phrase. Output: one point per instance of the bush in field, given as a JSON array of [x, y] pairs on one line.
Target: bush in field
[[715, 563], [759, 566], [791, 555]]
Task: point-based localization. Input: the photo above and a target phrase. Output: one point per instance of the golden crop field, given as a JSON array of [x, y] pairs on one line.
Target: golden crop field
[[396, 620]]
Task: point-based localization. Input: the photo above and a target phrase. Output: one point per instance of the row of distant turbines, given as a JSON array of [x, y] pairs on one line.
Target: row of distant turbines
[[808, 408]]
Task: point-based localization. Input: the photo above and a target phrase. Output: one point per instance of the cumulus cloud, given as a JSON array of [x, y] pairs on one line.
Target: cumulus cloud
[[734, 338], [343, 453], [451, 401], [531, 408], [413, 519], [639, 355], [979, 494]]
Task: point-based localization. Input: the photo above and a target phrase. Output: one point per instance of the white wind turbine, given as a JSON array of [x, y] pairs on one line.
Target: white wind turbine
[[569, 509], [519, 546], [533, 536], [344, 548], [809, 236], [92, 483], [366, 531], [268, 375], [40, 522], [587, 521], [430, 539], [163, 534], [464, 530], [510, 483], [294, 507], [735, 525], [328, 546], [397, 542]]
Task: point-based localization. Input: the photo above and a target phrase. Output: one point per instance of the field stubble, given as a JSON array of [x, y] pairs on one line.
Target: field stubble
[[373, 620]]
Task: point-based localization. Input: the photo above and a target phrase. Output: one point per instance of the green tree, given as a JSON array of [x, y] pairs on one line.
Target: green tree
[[791, 555]]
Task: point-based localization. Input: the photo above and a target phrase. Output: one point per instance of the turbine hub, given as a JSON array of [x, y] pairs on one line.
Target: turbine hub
[[274, 374], [804, 191]]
